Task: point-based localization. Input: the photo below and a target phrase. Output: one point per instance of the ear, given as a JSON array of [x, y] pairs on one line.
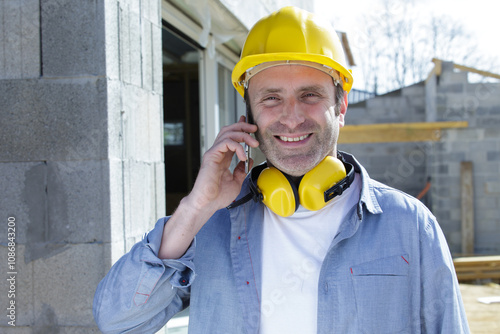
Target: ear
[[343, 111]]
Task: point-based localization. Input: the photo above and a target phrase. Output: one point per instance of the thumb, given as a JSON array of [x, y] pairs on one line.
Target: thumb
[[239, 172]]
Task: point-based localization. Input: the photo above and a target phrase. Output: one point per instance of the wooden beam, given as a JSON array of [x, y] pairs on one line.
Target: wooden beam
[[474, 70], [396, 132], [467, 207], [438, 69], [347, 48], [477, 267]]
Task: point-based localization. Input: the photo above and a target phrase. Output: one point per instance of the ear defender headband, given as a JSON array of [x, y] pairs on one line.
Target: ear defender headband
[[318, 186]]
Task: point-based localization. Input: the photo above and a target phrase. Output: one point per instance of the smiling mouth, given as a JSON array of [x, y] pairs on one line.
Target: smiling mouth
[[293, 139]]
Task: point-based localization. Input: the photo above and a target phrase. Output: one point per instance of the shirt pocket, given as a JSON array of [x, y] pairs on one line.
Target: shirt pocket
[[381, 292]]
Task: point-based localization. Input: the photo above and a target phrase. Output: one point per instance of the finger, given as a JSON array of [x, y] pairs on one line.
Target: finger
[[239, 137], [240, 167], [238, 127], [239, 172], [245, 138], [228, 145]]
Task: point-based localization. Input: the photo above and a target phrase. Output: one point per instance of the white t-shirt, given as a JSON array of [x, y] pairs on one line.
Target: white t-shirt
[[293, 251]]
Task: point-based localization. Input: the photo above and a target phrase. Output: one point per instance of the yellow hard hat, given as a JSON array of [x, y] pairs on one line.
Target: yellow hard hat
[[292, 35]]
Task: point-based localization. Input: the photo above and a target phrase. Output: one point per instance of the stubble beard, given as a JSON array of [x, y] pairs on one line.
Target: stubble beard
[[298, 162]]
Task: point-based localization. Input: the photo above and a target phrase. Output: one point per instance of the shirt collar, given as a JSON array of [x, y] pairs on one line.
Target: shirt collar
[[367, 196]]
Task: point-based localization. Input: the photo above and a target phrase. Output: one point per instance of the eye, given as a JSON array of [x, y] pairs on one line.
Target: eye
[[270, 100], [310, 97]]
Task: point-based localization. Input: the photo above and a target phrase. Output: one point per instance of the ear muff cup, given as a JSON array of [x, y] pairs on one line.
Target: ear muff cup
[[278, 192], [280, 195], [313, 185]]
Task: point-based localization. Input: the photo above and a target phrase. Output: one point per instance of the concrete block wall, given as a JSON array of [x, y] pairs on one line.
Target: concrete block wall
[[399, 165], [479, 104], [404, 105], [22, 43], [407, 166], [81, 159]]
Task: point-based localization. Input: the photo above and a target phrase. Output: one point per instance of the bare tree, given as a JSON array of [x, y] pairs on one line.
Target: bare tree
[[399, 46]]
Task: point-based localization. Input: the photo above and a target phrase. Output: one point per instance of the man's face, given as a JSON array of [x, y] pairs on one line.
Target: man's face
[[293, 108]]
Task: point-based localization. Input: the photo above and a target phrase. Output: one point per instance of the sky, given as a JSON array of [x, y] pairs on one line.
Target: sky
[[479, 17]]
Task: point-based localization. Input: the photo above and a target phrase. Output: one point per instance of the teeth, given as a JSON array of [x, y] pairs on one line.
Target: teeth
[[293, 139]]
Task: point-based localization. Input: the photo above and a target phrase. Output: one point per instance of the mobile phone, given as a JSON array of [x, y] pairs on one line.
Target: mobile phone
[[247, 148]]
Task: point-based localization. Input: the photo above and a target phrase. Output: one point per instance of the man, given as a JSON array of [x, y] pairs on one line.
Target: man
[[359, 257]]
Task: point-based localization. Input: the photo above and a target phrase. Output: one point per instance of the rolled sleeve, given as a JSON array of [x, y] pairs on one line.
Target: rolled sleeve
[[142, 292], [180, 271]]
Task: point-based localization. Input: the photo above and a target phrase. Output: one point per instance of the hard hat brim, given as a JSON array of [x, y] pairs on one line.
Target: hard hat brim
[[251, 61]]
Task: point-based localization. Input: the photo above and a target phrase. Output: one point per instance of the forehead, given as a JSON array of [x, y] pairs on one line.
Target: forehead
[[290, 78]]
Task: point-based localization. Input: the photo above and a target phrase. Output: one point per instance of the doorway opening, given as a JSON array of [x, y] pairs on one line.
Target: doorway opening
[[181, 115]]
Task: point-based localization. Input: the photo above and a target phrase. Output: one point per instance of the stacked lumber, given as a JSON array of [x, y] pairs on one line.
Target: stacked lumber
[[477, 267]]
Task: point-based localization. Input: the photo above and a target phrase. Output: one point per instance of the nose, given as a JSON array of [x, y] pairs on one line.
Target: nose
[[292, 114]]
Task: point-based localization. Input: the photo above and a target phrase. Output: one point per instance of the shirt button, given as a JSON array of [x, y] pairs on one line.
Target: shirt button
[[183, 281]]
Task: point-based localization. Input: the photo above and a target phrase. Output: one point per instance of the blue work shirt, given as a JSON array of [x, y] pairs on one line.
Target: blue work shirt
[[388, 270]]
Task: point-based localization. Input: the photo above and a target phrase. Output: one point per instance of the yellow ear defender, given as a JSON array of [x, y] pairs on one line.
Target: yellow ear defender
[[278, 192], [325, 181], [318, 180]]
